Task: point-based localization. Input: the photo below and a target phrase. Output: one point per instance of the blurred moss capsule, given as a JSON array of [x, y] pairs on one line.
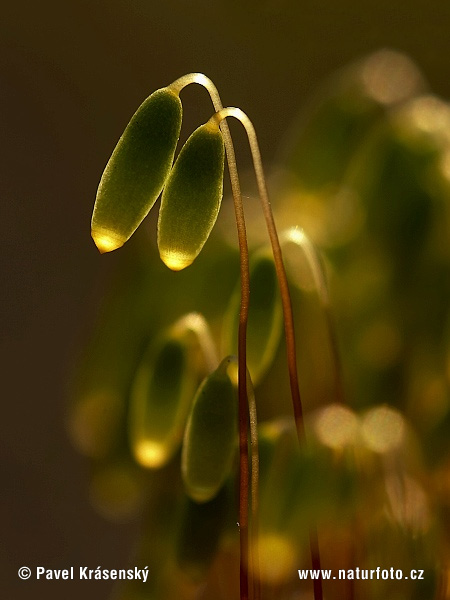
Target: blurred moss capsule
[[191, 199], [265, 319], [350, 103], [161, 395], [211, 435], [137, 170]]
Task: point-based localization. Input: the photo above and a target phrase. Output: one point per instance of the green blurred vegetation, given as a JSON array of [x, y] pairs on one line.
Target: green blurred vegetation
[[365, 174]]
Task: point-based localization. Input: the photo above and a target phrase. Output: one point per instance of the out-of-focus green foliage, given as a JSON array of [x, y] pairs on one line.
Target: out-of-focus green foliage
[[264, 319], [366, 176]]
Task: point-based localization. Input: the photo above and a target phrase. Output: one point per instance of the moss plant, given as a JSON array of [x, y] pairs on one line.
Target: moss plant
[[190, 203], [232, 508]]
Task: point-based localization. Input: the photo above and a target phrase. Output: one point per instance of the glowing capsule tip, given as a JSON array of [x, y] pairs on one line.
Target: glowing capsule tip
[[106, 241], [151, 455], [176, 261]]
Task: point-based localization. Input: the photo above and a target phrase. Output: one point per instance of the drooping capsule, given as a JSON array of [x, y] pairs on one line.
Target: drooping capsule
[[210, 438], [163, 389], [192, 196], [137, 170], [264, 319]]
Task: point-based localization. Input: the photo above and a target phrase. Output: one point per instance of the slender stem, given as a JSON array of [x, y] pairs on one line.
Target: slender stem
[[315, 561], [299, 238], [177, 86], [254, 489], [279, 265], [286, 302]]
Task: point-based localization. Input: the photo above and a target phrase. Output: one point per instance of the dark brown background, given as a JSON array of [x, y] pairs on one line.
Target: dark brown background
[[71, 75]]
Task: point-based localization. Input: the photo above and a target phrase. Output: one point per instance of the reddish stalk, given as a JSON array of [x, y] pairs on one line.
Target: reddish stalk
[[177, 86], [286, 303], [256, 588]]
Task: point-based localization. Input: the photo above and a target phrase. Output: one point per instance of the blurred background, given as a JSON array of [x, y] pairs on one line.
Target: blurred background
[[71, 75]]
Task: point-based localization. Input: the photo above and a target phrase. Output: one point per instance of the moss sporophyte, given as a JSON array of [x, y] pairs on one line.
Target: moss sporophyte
[[162, 397], [176, 363]]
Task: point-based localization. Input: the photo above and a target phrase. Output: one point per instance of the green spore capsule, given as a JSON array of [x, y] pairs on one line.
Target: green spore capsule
[[191, 199], [265, 318], [137, 170], [210, 438], [163, 389]]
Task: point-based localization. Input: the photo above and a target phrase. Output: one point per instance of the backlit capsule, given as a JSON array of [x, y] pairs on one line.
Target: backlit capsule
[[137, 170], [192, 196], [210, 438], [163, 389]]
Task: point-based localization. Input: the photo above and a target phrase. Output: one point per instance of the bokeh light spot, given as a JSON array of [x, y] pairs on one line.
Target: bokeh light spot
[[430, 115], [383, 429], [277, 558], [390, 77], [336, 426]]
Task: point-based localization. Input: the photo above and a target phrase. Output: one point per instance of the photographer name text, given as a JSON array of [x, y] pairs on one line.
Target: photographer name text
[[85, 573]]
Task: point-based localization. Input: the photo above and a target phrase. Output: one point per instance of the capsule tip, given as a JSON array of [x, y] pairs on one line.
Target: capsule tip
[[106, 241], [200, 494], [176, 261], [149, 454]]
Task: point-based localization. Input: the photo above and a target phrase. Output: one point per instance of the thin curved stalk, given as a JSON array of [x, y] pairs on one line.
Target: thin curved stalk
[[298, 237], [238, 114], [312, 257], [177, 86], [286, 302]]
